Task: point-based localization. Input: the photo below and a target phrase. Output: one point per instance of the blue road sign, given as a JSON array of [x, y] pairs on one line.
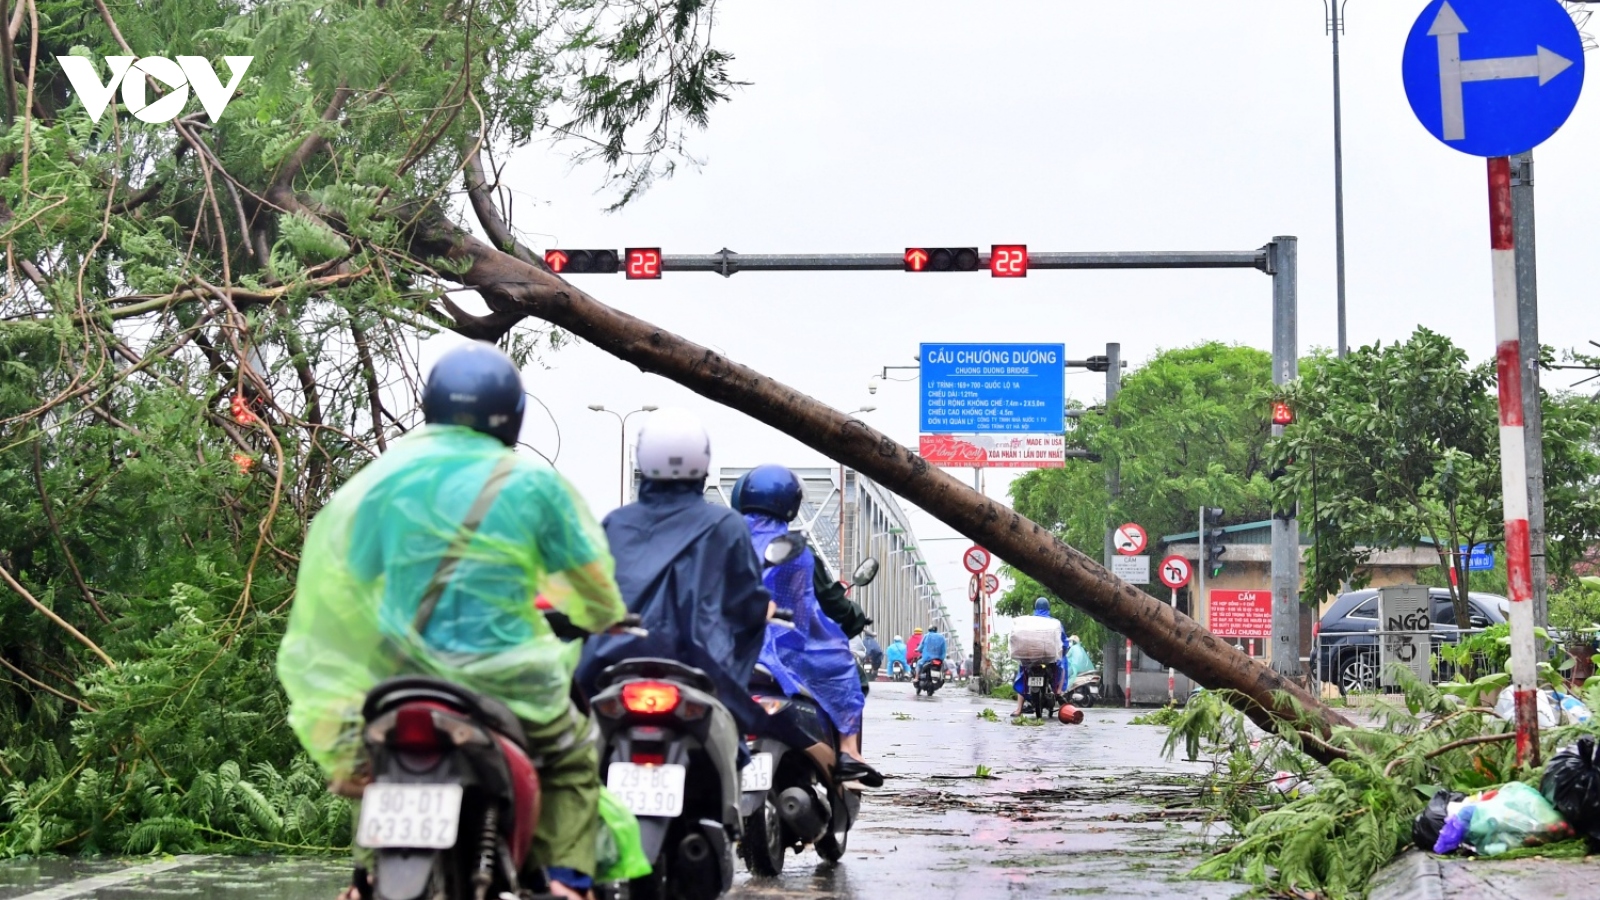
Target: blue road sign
[[1493, 77], [993, 388], [1479, 557]]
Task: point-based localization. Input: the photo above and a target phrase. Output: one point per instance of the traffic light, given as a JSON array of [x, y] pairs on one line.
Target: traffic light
[[1282, 413], [581, 262], [1008, 260], [643, 262], [1212, 532], [941, 259]]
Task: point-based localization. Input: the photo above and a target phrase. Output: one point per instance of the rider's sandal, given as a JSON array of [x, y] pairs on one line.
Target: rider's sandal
[[851, 769]]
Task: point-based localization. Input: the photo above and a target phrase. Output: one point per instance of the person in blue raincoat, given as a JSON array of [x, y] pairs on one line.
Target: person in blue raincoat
[[814, 652], [896, 656], [1077, 661], [687, 568], [1041, 607], [933, 647]]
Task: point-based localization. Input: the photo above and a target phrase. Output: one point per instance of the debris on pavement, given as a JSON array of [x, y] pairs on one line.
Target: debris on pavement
[[1502, 819], [1572, 785], [1425, 830]]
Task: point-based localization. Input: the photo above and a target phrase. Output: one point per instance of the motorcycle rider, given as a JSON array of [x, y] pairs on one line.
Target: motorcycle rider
[[1041, 607], [688, 570], [914, 647], [873, 648], [1078, 661], [896, 655], [815, 652], [392, 582], [933, 648]]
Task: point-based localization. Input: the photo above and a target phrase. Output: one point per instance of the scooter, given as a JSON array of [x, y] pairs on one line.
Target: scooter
[[930, 678], [453, 800], [670, 754], [1084, 690], [1041, 696]]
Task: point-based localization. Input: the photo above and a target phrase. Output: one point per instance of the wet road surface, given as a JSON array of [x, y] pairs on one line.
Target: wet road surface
[[1089, 810]]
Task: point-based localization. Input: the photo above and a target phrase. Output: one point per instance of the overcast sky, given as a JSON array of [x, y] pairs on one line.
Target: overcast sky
[[870, 127]]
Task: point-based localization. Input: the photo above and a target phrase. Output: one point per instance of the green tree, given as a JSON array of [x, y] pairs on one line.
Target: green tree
[[1191, 428]]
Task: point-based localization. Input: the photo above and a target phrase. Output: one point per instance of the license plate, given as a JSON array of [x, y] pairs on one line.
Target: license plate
[[758, 775], [1036, 681], [648, 790], [1094, 689], [421, 816]]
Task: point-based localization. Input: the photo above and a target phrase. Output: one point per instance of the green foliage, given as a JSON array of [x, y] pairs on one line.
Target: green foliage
[[989, 715], [1189, 428], [1166, 716], [1298, 829]]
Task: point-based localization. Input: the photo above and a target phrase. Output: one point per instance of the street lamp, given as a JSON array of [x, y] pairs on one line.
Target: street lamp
[[1334, 18], [622, 443]]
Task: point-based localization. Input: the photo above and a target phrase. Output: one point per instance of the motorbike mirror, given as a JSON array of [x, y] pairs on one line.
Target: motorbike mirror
[[865, 572], [782, 549]]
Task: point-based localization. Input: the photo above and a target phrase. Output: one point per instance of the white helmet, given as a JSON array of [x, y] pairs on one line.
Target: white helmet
[[673, 446]]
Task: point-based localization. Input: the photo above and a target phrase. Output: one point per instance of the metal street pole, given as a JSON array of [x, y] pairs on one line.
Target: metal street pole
[[1335, 25], [1114, 642], [1285, 528], [622, 444], [1528, 341]]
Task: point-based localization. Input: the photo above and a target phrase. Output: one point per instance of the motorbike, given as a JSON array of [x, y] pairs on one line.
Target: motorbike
[[1085, 690], [1040, 698], [899, 671], [670, 754], [790, 798], [930, 678]]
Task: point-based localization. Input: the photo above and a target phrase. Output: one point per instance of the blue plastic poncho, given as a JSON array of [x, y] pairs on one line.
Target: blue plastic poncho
[[688, 569], [933, 647], [1078, 661], [815, 652], [896, 652], [371, 553]]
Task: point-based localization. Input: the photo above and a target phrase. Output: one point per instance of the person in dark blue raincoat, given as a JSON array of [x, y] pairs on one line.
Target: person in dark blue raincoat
[[814, 652], [1041, 607], [687, 568]]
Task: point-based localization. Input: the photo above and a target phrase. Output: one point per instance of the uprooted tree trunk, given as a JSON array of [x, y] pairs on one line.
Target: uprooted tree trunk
[[514, 288]]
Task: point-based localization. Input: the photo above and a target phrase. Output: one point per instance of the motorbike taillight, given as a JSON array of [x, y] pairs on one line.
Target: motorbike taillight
[[413, 729], [649, 759], [650, 696]]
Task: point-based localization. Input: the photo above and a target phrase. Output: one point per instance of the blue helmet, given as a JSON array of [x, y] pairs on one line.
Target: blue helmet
[[477, 386], [771, 489], [1041, 605]]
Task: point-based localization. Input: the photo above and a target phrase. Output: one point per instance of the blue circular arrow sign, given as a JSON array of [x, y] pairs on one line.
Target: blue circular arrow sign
[[1493, 77]]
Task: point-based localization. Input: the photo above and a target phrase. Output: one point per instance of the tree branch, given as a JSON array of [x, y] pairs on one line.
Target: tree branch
[[50, 614]]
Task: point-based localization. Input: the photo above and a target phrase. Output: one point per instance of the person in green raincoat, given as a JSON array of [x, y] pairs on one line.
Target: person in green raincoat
[[372, 553]]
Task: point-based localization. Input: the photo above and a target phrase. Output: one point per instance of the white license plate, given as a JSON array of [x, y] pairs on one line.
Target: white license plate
[[648, 790], [1036, 681], [758, 775], [1094, 689], [410, 816]]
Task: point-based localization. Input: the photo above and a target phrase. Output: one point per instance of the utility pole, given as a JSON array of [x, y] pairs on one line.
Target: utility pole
[[1114, 643], [1335, 25], [1285, 528], [1528, 339]]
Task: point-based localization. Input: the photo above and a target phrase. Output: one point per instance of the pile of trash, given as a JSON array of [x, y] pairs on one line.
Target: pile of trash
[[1496, 821], [1555, 708]]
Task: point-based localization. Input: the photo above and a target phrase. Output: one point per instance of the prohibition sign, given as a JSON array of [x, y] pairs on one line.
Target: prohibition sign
[[1175, 572], [976, 559], [1131, 540], [990, 584]]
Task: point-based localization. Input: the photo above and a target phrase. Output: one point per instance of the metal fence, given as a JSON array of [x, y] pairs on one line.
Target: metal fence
[[1354, 662]]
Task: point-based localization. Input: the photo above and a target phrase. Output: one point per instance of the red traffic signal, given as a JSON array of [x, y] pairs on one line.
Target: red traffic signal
[[644, 262], [568, 262], [941, 259], [1282, 413], [1008, 261]]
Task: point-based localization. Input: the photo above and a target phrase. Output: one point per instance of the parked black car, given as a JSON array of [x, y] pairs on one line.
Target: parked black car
[[1347, 649]]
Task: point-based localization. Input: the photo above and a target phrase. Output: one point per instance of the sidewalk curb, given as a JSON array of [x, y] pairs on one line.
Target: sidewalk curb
[[1413, 876]]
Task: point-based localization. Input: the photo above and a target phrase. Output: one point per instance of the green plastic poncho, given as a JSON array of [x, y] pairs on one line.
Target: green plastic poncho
[[371, 552]]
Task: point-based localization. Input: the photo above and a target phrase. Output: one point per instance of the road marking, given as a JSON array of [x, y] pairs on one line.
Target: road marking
[[86, 885]]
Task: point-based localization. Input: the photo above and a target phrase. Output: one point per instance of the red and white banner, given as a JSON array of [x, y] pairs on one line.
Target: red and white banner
[[994, 451], [1236, 614]]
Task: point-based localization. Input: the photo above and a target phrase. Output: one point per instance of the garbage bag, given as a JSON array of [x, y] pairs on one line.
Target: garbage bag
[[1572, 785], [1573, 712], [1036, 639], [1426, 827], [619, 851], [373, 549], [1548, 711], [1514, 815]]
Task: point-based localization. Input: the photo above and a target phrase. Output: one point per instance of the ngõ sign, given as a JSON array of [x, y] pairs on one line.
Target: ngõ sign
[[994, 451], [130, 73]]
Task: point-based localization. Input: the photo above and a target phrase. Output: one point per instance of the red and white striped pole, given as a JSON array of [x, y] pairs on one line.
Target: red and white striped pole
[[1513, 462], [1127, 686]]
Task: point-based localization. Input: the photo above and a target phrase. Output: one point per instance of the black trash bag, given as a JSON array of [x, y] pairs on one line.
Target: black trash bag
[[1425, 830], [1572, 785]]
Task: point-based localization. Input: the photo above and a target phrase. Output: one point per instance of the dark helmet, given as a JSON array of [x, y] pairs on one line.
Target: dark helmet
[[477, 386], [1041, 605], [933, 629], [771, 489]]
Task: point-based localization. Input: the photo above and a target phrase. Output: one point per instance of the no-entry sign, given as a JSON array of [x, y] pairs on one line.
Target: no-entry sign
[[1130, 540], [976, 559], [990, 584], [1175, 572]]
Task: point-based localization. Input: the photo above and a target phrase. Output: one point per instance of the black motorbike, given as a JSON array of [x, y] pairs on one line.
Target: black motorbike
[[670, 754], [930, 677], [1040, 697]]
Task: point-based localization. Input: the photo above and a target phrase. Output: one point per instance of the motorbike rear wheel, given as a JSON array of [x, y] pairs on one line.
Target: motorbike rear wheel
[[652, 886], [762, 846], [832, 845]]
